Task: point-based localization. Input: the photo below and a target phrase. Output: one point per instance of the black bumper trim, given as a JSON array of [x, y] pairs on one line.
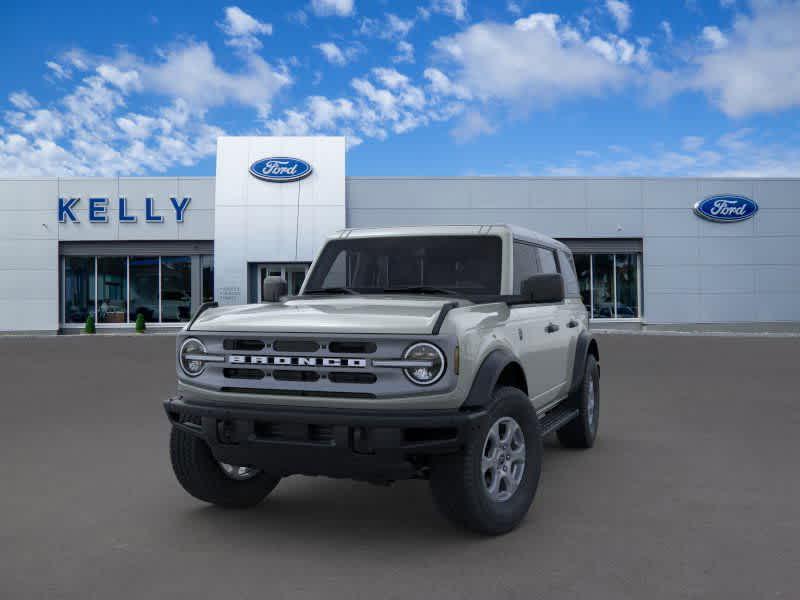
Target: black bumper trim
[[359, 444]]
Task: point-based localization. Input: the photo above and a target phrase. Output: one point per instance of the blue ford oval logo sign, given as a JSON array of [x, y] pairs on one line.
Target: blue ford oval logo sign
[[280, 169], [726, 209]]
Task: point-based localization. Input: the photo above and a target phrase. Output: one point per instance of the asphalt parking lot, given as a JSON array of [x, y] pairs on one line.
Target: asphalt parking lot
[[693, 491]]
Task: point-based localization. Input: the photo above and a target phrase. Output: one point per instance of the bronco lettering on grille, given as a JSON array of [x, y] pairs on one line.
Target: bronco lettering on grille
[[297, 361]]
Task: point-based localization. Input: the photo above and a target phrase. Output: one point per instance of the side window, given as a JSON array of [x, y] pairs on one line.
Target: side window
[[571, 288], [547, 260], [525, 263]]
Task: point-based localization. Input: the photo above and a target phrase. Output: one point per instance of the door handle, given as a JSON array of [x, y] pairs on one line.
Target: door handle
[[551, 328], [572, 323]]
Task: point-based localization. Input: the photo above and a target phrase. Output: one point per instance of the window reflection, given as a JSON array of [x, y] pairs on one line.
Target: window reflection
[[207, 267], [602, 286], [78, 288], [584, 278], [627, 286], [176, 288], [144, 288], [111, 289]]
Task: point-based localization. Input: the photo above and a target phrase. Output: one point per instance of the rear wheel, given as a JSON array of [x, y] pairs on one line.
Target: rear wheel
[[582, 430], [489, 487], [219, 483]]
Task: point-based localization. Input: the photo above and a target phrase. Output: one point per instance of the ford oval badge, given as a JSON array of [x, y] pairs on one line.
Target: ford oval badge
[[725, 208], [280, 169]]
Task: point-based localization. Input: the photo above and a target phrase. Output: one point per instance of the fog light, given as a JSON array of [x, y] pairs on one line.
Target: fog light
[[431, 367]]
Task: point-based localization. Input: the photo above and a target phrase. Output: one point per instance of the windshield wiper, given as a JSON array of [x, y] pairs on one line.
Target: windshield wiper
[[331, 290], [421, 289]]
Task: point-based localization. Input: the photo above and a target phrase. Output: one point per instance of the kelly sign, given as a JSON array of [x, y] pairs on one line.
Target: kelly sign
[[99, 208]]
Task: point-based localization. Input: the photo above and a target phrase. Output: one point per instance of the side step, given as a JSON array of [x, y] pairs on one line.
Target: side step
[[556, 418]]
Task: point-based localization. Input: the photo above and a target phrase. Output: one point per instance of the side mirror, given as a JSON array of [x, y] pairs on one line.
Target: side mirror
[[543, 288], [272, 288]]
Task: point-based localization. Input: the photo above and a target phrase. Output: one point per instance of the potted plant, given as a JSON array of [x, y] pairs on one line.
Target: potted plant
[[89, 327]]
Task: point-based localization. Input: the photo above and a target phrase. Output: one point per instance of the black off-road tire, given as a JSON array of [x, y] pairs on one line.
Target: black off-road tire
[[581, 432], [201, 475], [457, 482]]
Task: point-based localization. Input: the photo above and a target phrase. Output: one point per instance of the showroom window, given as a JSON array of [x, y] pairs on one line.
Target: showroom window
[[610, 284], [117, 289]]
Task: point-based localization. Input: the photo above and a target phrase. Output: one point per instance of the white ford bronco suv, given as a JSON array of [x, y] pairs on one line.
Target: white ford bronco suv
[[442, 353]]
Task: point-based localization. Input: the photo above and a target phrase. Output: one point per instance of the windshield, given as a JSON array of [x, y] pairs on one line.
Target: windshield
[[468, 265]]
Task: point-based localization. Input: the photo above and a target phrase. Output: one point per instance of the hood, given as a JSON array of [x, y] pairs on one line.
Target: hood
[[331, 314]]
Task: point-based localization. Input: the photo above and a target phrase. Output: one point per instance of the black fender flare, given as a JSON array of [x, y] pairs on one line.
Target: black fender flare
[[480, 394], [585, 340]]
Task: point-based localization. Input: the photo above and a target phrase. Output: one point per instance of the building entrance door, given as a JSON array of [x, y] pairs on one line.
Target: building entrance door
[[293, 273]]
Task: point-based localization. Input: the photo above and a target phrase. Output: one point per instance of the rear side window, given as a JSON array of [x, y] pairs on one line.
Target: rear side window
[[547, 260], [525, 263], [571, 288]]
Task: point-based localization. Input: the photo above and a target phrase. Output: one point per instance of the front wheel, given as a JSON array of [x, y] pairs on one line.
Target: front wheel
[[489, 487], [217, 483]]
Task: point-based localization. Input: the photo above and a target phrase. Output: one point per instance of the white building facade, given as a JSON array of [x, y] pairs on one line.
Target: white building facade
[[115, 248]]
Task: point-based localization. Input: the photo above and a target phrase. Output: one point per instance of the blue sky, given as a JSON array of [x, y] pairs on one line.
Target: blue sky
[[437, 87]]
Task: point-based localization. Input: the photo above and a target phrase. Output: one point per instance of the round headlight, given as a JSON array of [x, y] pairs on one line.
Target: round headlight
[[431, 367], [189, 357]]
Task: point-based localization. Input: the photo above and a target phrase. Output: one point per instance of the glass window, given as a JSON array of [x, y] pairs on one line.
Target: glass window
[[176, 288], [627, 286], [568, 271], [78, 288], [466, 264], [584, 273], [112, 289], [144, 288], [207, 269], [603, 286], [525, 264], [547, 260]]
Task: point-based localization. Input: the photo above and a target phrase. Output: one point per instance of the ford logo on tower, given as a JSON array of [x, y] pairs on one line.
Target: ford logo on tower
[[726, 209], [280, 169]]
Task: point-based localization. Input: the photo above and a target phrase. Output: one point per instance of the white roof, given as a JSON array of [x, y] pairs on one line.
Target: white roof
[[421, 230]]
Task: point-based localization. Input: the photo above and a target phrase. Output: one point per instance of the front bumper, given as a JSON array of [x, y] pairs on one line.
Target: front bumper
[[357, 444]]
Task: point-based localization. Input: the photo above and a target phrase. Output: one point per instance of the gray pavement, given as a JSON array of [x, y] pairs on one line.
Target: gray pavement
[[693, 491]]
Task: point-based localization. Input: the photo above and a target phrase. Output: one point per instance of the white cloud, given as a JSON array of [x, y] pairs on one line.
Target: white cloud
[[58, 70], [441, 84], [621, 11], [398, 27], [727, 3], [22, 100], [666, 27], [715, 37], [453, 8], [336, 55], [692, 143], [405, 53], [735, 154], [339, 8], [472, 124], [243, 29], [758, 70], [537, 60], [514, 8]]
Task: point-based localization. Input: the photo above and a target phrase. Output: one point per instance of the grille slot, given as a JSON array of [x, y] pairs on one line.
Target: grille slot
[[243, 373], [351, 377], [310, 393], [295, 346], [353, 347], [245, 345], [285, 375]]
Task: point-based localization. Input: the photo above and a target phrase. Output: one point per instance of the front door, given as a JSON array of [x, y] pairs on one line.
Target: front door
[[293, 273]]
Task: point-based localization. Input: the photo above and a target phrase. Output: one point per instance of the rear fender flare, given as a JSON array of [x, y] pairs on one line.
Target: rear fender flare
[[585, 340]]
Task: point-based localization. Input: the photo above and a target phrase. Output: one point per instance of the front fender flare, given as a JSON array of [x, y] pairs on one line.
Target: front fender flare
[[480, 394]]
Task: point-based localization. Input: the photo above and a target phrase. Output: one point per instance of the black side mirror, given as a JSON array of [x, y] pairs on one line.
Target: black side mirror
[[272, 288], [543, 288]]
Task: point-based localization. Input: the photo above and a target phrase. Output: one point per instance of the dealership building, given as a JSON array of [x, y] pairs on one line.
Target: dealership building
[[650, 252]]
